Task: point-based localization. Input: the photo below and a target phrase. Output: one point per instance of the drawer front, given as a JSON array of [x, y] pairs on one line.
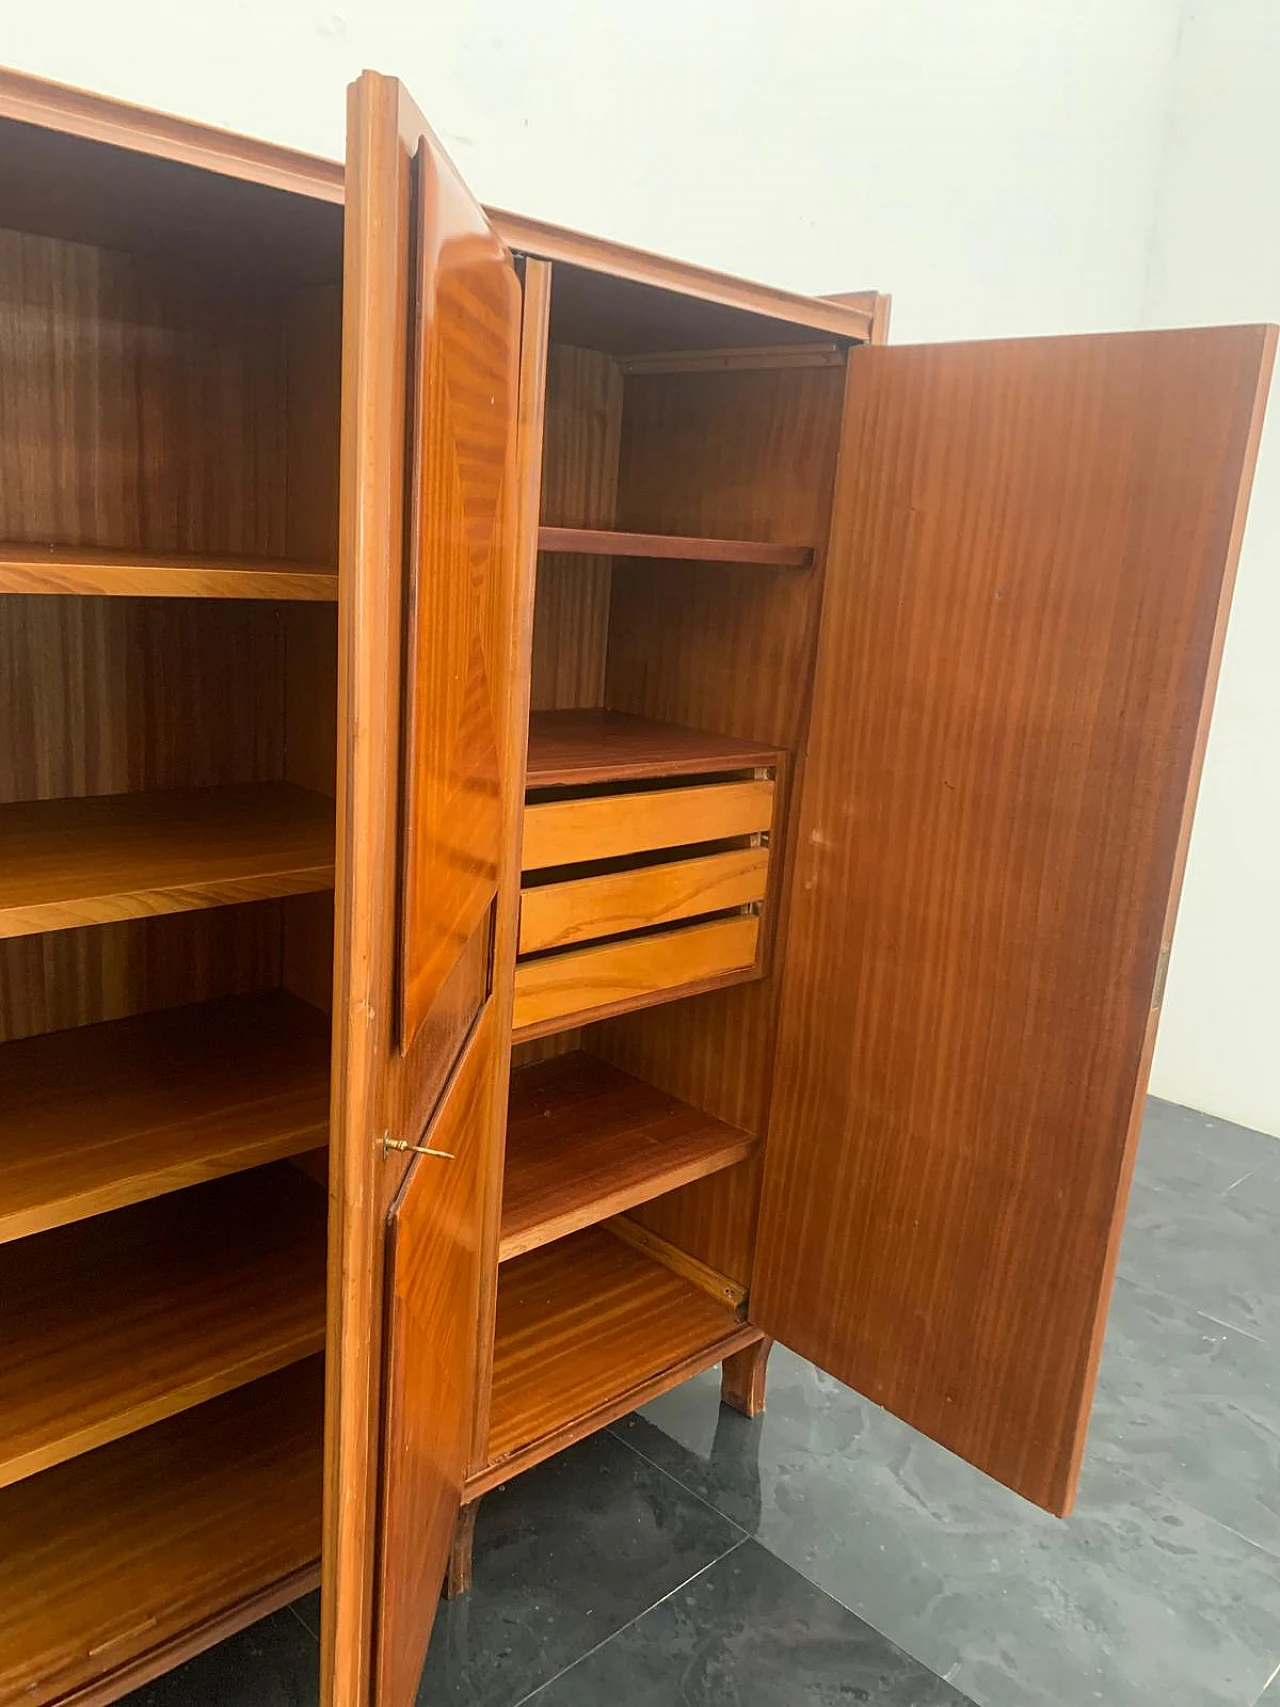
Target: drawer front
[[604, 826], [557, 915], [615, 975]]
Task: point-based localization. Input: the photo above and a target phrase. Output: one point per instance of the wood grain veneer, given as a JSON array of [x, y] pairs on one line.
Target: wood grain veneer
[[585, 746], [582, 1320], [1029, 556], [746, 454], [379, 1087], [118, 1564], [121, 574], [121, 856], [114, 1323], [591, 827], [579, 489], [111, 1114], [600, 542], [55, 980], [558, 915], [585, 1141], [587, 983]]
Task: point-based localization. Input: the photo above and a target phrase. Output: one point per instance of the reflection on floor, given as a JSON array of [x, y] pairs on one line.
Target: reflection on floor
[[826, 1554]]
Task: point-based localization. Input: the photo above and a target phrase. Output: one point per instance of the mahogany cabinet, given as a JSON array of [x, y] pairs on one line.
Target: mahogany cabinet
[[671, 806]]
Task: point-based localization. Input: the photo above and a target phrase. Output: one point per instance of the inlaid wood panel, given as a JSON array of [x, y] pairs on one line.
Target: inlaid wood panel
[[92, 1606], [462, 520], [582, 430], [142, 407], [434, 1282], [1031, 550]]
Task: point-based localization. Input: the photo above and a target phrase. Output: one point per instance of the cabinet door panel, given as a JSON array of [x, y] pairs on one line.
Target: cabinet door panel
[[428, 786], [1031, 553]]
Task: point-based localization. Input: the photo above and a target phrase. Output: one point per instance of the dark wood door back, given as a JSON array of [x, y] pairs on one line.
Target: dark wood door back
[[1032, 547]]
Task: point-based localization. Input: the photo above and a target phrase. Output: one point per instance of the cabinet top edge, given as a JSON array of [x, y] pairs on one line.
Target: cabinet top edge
[[28, 99]]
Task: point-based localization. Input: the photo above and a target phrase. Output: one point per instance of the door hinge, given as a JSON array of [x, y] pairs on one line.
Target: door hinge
[[404, 1147]]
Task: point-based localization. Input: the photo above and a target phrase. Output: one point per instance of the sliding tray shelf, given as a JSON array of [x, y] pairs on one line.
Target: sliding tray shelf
[[646, 865]]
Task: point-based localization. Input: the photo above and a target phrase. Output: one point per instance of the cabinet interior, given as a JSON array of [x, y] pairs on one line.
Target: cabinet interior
[[170, 359], [170, 352]]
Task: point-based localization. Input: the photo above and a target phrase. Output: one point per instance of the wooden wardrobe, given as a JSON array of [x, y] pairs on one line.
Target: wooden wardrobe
[[671, 807]]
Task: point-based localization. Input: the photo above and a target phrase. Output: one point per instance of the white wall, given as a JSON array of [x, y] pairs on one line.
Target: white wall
[[1215, 256], [992, 163], [1002, 167]]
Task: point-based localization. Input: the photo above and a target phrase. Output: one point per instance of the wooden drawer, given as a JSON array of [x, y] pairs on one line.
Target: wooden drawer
[[603, 826], [557, 915], [610, 977]]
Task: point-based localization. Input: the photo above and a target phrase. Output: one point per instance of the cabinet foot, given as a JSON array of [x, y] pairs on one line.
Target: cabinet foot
[[742, 1378], [457, 1577]]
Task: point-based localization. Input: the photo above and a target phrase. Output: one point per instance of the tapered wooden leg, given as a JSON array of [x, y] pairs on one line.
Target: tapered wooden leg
[[457, 1578], [742, 1378]]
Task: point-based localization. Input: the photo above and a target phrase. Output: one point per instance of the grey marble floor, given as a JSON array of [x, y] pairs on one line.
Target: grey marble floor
[[826, 1554]]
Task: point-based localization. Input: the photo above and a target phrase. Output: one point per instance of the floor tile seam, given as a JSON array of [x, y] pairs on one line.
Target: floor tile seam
[[303, 1622], [744, 1534], [1124, 1273], [632, 1622]]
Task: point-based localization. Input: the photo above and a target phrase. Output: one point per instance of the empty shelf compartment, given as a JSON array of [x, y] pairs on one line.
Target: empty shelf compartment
[[111, 1114], [120, 1562], [112, 1324], [586, 1141], [585, 1324]]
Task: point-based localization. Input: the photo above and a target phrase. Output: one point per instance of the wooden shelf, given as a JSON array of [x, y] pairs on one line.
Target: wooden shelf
[[107, 1115], [87, 861], [115, 1323], [685, 548], [586, 747], [586, 1141], [581, 1324], [127, 574], [127, 1560]]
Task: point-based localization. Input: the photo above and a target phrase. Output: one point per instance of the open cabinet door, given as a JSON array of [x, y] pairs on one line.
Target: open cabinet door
[[429, 775], [1031, 554]]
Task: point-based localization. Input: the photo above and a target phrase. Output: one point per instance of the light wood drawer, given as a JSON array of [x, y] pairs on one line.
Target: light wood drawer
[[603, 826], [560, 914], [630, 973]]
